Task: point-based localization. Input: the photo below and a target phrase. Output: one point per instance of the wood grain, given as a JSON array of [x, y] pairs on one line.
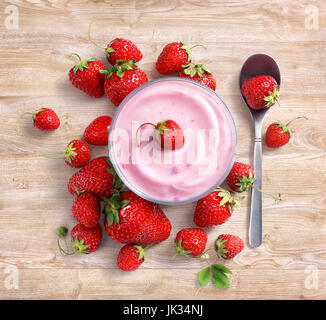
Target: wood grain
[[34, 62]]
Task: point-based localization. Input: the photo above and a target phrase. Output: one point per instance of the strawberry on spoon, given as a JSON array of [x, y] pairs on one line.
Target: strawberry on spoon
[[261, 91], [168, 134]]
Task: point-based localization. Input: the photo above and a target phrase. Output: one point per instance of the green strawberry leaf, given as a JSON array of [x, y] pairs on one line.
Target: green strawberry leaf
[[204, 276], [109, 218], [219, 279], [221, 268]]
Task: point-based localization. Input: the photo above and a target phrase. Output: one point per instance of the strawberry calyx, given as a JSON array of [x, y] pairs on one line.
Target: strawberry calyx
[[70, 152], [285, 127], [82, 63], [193, 69], [227, 197], [187, 49], [140, 251], [109, 49], [112, 207], [272, 98], [117, 182], [181, 250], [119, 68], [245, 182], [79, 246], [220, 248]]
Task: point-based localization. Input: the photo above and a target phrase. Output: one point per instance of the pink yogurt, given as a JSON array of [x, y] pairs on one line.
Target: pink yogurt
[[173, 176]]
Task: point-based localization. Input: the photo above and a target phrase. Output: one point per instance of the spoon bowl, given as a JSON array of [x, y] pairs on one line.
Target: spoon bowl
[[257, 64]]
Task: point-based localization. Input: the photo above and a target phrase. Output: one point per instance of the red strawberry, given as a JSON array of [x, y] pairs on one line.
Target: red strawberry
[[278, 134], [77, 153], [215, 208], [97, 132], [167, 133], [86, 209], [260, 91], [86, 240], [241, 177], [86, 76], [121, 79], [95, 177], [130, 257], [172, 58], [119, 49], [44, 119], [191, 242], [228, 246], [122, 49], [198, 72], [131, 219]]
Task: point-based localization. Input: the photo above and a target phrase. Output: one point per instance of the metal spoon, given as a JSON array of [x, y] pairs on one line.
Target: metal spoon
[[256, 65]]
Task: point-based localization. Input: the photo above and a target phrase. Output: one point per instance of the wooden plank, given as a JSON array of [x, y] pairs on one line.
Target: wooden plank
[[34, 63]]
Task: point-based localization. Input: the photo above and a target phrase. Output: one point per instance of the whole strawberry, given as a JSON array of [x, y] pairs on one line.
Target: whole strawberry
[[86, 240], [130, 257], [86, 76], [77, 154], [260, 91], [200, 73], [122, 49], [215, 208], [95, 177], [228, 246], [97, 133], [241, 177], [121, 79], [86, 209], [279, 134], [119, 49], [172, 58], [168, 134], [44, 119], [191, 242], [132, 219]]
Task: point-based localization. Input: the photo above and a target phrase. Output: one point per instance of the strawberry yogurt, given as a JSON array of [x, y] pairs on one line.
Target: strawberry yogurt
[[173, 176]]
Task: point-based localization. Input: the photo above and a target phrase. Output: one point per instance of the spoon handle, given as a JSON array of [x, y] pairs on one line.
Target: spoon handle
[[255, 225]]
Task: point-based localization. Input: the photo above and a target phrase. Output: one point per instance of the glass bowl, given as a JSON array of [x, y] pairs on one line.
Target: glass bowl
[[190, 90]]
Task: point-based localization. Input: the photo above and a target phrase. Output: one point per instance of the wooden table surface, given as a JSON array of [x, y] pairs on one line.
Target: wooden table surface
[[34, 63]]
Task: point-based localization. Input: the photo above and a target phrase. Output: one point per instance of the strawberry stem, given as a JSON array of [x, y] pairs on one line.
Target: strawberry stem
[[77, 55], [89, 36], [304, 117], [137, 132], [198, 45], [278, 198], [20, 132]]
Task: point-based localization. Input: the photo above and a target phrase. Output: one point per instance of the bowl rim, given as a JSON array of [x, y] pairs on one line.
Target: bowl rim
[[139, 192]]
